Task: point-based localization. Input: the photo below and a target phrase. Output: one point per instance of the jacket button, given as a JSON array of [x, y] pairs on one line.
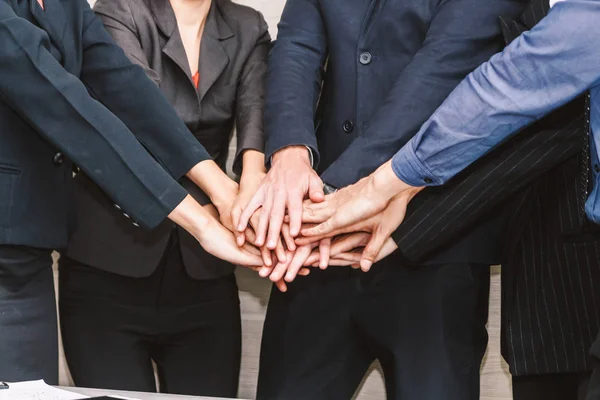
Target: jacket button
[[427, 180], [135, 224], [117, 207], [365, 58], [348, 126], [58, 159]]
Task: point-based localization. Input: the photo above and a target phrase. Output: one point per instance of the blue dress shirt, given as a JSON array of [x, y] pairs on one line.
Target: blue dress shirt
[[543, 69]]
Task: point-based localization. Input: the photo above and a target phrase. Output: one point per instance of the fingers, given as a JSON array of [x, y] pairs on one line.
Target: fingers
[[280, 251], [280, 268], [289, 240], [268, 260], [295, 213], [324, 249], [349, 242], [263, 221], [255, 203], [313, 259], [281, 285], [277, 212], [372, 250], [315, 189], [236, 214], [297, 262]]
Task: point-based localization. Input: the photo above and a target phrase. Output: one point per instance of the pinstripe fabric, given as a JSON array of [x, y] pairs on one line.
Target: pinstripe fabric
[[440, 214], [551, 280]]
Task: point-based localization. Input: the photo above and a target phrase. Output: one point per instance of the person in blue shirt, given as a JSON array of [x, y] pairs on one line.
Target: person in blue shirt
[[540, 71]]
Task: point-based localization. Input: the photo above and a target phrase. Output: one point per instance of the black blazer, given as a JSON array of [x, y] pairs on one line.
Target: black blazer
[[232, 67], [68, 94], [390, 64]]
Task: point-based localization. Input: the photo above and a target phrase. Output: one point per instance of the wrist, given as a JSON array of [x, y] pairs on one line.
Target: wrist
[[386, 183], [190, 215], [214, 182], [292, 153]]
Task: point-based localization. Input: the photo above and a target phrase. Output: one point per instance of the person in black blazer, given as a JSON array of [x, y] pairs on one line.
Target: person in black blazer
[[353, 81], [69, 96], [128, 297]]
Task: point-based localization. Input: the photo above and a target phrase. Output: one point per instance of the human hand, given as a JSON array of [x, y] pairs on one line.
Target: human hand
[[249, 184], [289, 181], [347, 250], [286, 272], [380, 227], [201, 223], [355, 203]]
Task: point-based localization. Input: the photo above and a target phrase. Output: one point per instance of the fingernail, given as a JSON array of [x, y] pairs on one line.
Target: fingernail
[[366, 265], [263, 272], [289, 277]]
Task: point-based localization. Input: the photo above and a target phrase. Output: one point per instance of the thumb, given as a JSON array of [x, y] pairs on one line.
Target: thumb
[[372, 250], [315, 190]]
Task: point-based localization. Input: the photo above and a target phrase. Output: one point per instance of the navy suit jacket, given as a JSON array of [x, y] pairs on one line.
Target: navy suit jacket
[[355, 79], [69, 95]]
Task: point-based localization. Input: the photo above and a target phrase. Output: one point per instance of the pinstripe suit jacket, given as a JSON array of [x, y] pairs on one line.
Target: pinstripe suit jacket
[[549, 315]]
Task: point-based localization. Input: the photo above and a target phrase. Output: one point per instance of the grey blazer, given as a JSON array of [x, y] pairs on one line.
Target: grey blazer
[[232, 67]]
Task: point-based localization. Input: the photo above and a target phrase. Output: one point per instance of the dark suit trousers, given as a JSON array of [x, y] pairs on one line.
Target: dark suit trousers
[[426, 326], [594, 388], [551, 386], [114, 326], [28, 329]]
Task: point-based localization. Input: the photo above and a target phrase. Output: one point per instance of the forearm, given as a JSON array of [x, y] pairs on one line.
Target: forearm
[[254, 164], [214, 182]]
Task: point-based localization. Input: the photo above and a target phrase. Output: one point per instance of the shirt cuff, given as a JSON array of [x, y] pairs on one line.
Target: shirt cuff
[[410, 170]]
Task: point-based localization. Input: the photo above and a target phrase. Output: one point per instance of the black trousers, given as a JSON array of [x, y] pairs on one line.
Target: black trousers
[[426, 326], [28, 329], [551, 386], [114, 326], [594, 387]]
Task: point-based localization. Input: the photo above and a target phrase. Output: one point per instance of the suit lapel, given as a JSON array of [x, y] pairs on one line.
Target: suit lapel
[[167, 23], [213, 53]]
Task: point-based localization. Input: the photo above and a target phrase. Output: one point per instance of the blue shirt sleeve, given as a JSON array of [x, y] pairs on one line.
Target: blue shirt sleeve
[[538, 72]]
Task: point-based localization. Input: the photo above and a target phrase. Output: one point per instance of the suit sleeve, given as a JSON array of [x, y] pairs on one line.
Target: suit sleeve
[[117, 17], [58, 106], [125, 90], [462, 35], [251, 97], [440, 214], [294, 78]]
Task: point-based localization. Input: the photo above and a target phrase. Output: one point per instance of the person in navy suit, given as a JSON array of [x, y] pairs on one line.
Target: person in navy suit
[[349, 82], [71, 99]]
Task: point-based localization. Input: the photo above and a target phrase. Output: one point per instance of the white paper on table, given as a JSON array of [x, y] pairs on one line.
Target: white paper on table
[[36, 390]]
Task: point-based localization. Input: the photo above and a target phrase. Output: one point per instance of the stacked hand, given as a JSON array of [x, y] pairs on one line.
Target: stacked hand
[[349, 227]]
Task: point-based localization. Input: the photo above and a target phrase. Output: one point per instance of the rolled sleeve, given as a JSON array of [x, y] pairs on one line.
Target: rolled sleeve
[[410, 170]]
